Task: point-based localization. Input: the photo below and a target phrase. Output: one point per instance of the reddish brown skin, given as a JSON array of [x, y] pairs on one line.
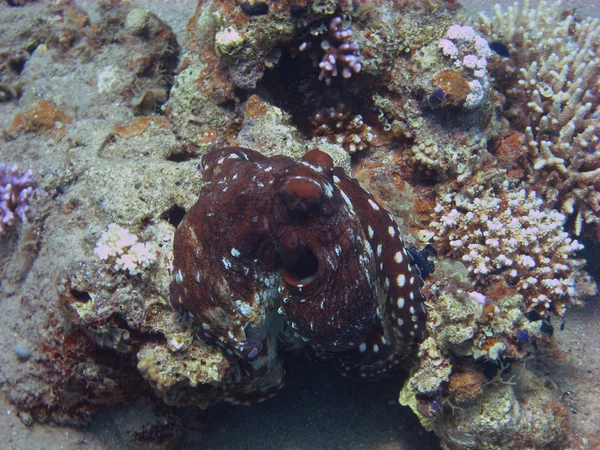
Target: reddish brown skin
[[275, 243]]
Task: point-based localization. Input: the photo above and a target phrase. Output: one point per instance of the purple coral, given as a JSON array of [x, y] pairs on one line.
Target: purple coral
[[15, 194], [341, 52]]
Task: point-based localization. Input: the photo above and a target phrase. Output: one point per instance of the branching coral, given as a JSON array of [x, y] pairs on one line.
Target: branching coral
[[16, 192], [341, 52], [338, 126], [509, 236], [554, 98], [120, 245]]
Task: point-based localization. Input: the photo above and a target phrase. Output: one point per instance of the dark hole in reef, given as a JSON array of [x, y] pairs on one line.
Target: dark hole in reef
[[293, 85], [241, 94], [174, 215], [591, 255], [231, 105], [17, 64], [146, 222], [187, 153], [81, 296], [423, 176], [492, 369]]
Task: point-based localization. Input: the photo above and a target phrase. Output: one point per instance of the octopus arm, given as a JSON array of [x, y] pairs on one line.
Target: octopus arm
[[402, 315]]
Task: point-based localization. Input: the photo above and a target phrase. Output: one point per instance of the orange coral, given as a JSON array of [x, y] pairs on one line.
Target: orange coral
[[208, 136], [255, 106], [134, 127], [137, 126]]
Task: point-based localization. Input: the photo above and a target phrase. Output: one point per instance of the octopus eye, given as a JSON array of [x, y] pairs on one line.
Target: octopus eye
[[300, 264], [301, 195], [320, 159]]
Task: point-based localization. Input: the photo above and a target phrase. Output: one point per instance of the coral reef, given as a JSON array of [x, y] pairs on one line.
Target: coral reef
[[120, 245], [338, 126], [454, 144], [16, 192], [553, 97], [341, 52], [470, 51], [452, 390], [507, 237], [502, 417], [448, 77]]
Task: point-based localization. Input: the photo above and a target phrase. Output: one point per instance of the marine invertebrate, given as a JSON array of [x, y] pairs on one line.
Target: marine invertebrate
[[338, 126], [119, 245], [554, 99], [453, 86], [469, 52], [16, 191], [341, 52], [510, 236], [272, 241]]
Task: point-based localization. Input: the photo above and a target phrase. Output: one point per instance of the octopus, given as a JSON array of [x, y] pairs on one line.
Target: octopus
[[280, 253]]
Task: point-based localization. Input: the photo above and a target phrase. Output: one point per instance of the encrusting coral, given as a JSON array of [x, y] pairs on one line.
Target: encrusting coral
[[553, 94]]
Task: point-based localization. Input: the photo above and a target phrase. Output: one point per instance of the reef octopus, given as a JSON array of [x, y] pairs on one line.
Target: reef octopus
[[279, 252]]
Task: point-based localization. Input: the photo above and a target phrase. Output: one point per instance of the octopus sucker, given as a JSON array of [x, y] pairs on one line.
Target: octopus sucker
[[294, 245]]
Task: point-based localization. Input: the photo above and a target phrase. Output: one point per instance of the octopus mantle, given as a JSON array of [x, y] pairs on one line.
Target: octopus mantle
[[275, 250]]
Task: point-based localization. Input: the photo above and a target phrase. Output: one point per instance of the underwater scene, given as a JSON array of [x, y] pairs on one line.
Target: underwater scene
[[299, 224]]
